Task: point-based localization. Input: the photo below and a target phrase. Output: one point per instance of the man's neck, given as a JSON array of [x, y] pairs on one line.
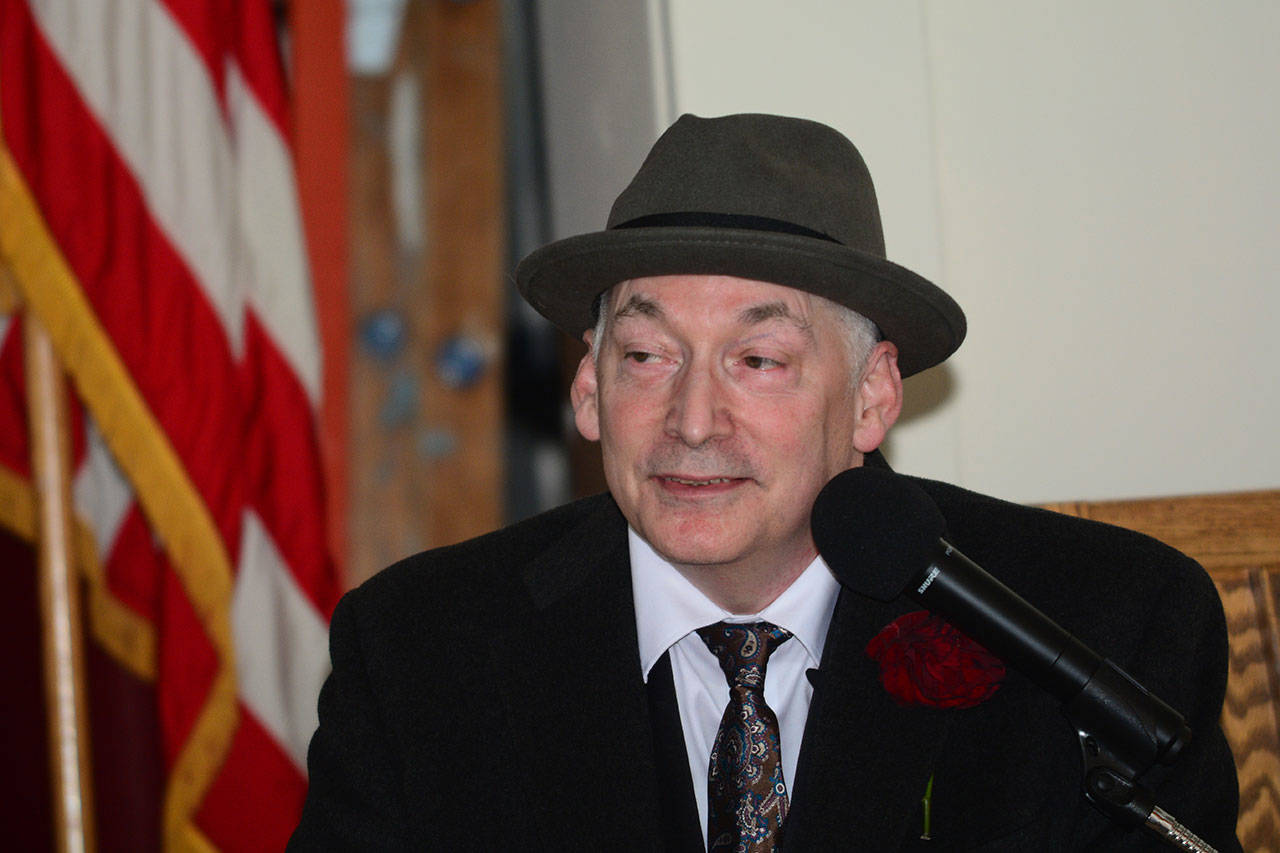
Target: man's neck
[[744, 590]]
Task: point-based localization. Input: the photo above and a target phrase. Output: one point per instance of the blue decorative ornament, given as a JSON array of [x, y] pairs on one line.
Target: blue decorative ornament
[[383, 334], [461, 361]]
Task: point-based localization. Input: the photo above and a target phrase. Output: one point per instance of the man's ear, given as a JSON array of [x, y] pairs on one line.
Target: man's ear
[[582, 394], [878, 398]]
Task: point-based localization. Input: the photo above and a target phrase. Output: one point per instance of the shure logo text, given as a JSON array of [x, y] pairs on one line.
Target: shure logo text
[[933, 573]]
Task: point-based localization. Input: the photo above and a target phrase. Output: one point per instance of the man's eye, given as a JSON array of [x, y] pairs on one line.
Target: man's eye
[[760, 362], [640, 357]]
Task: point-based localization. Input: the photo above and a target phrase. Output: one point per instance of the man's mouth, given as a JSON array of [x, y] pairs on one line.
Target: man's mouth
[[698, 488], [712, 481]]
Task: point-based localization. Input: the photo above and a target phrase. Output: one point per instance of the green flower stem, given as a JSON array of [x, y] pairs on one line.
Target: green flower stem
[[927, 802]]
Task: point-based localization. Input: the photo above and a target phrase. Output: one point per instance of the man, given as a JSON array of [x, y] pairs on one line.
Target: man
[[672, 665]]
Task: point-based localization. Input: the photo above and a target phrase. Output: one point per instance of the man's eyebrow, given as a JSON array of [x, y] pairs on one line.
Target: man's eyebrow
[[639, 306], [756, 314]]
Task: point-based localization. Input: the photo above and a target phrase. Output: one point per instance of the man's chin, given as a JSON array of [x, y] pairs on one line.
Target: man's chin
[[699, 537], [686, 551]]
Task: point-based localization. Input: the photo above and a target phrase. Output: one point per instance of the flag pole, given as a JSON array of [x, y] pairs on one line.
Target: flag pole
[[63, 641]]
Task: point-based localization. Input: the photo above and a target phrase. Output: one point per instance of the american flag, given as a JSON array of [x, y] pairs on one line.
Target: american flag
[[149, 219]]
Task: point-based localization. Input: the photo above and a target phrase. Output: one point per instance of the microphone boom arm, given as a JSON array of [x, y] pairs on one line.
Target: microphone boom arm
[[1123, 728]]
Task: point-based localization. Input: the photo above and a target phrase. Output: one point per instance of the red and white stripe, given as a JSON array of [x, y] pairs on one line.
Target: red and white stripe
[[153, 136]]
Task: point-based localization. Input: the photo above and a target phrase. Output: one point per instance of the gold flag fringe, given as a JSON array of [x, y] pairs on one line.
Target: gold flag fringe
[[170, 501]]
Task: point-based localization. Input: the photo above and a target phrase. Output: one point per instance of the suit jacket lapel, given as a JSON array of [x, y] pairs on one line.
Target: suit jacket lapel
[[569, 668], [865, 761], [681, 826]]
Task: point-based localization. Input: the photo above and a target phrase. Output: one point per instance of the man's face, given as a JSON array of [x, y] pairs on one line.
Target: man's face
[[723, 406]]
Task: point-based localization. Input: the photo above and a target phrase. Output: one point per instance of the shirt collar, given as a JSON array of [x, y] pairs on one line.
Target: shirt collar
[[669, 607]]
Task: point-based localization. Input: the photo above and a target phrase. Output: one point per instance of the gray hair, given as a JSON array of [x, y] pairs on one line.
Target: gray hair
[[860, 332]]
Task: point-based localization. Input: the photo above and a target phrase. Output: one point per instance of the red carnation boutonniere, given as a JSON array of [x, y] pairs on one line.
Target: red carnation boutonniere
[[925, 660]]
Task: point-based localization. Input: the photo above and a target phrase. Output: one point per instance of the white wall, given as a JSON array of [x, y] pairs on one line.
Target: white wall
[[600, 106], [1097, 184]]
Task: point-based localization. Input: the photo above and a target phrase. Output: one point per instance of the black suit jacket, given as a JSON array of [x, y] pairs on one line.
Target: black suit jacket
[[488, 696]]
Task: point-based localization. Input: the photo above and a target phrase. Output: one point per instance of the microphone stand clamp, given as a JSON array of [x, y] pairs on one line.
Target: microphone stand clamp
[[1113, 788]]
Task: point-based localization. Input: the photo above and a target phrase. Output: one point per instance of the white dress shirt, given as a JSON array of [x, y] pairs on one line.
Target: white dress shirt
[[669, 610]]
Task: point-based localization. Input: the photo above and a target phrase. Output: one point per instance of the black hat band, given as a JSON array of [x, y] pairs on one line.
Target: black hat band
[[745, 222]]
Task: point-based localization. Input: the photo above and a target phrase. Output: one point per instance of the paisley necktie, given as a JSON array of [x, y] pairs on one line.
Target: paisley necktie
[[747, 796]]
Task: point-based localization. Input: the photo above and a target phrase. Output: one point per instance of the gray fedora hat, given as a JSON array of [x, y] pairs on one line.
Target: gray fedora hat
[[770, 198]]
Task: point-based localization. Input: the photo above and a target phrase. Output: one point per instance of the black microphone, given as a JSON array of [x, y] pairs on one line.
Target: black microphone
[[881, 535]]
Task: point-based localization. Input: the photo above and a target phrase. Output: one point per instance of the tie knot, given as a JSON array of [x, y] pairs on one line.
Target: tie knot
[[743, 649]]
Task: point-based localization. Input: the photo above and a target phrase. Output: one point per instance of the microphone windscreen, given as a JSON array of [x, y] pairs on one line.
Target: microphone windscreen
[[876, 530]]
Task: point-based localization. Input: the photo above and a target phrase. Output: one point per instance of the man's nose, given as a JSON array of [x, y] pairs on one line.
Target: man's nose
[[699, 407]]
